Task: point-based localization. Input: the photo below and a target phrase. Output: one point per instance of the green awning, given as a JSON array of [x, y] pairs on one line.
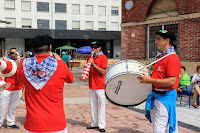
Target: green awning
[[66, 47]]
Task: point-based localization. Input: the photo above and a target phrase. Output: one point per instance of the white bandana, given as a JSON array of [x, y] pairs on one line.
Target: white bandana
[[38, 75]]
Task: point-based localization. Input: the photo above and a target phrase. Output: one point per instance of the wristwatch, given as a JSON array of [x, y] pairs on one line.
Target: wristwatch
[[93, 64]]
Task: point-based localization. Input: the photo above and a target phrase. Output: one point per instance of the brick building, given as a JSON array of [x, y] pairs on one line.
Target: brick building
[[142, 18]]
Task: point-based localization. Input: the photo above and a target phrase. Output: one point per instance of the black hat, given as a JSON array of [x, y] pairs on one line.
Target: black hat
[[167, 34], [42, 40], [96, 43]]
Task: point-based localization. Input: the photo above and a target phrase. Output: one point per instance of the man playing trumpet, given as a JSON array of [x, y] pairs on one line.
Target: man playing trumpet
[[97, 85]]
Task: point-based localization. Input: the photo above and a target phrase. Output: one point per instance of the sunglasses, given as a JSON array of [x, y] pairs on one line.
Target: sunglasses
[[95, 47], [12, 52]]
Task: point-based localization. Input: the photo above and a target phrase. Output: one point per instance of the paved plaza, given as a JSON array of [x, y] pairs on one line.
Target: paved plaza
[[118, 119]]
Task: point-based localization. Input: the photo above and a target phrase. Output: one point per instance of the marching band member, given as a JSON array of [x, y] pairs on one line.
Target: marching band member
[[43, 77], [11, 96], [96, 87], [161, 103]]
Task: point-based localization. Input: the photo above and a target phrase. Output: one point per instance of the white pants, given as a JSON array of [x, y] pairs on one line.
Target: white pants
[[63, 131], [160, 117], [9, 99], [97, 108]]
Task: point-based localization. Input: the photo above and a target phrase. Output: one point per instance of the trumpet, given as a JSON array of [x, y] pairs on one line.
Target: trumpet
[[86, 71]]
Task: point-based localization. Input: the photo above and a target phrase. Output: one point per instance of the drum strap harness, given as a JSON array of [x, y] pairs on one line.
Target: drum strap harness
[[168, 52]]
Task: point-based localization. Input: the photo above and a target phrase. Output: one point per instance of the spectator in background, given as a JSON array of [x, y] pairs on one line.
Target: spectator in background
[[196, 80], [185, 81], [27, 54], [65, 58], [5, 55], [22, 54], [31, 54], [8, 56]]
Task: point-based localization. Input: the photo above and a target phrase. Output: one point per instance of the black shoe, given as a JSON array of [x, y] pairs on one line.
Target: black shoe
[[102, 130], [91, 127], [13, 127]]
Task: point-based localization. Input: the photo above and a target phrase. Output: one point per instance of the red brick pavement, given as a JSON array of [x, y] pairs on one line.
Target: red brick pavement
[[118, 119], [76, 91]]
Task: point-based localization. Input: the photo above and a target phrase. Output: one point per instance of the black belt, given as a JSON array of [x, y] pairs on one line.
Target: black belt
[[159, 92]]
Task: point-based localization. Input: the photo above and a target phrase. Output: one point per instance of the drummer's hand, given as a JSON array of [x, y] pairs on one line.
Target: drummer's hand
[[91, 60], [56, 56], [144, 79]]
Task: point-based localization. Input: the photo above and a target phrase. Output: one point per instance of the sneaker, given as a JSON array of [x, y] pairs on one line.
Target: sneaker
[[13, 127]]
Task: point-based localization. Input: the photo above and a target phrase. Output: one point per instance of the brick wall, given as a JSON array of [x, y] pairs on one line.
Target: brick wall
[[133, 45], [189, 40], [188, 35], [142, 8]]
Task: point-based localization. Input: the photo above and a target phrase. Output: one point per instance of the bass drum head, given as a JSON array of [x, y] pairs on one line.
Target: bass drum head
[[126, 90]]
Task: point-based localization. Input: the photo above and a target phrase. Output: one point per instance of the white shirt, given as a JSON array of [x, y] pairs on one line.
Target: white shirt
[[196, 77]]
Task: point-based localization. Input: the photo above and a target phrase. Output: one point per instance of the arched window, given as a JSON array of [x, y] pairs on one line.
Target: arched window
[[163, 6], [161, 9]]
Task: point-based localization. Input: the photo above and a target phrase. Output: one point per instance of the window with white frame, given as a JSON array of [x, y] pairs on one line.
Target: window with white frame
[[152, 28], [76, 8], [12, 20], [89, 25], [115, 26], [102, 25], [9, 4], [89, 9], [59, 7], [114, 11], [26, 6], [42, 24], [102, 10], [60, 24], [43, 6], [26, 23], [75, 25]]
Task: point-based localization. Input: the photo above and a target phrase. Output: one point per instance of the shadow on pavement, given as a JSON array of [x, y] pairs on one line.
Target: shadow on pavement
[[20, 120], [82, 123], [124, 130]]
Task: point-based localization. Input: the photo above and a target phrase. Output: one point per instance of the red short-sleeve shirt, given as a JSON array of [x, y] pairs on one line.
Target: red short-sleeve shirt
[[45, 111], [96, 80], [15, 83], [165, 68]]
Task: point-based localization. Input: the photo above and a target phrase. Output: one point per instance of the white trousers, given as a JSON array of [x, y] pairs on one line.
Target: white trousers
[[97, 108], [160, 118], [63, 131], [9, 100]]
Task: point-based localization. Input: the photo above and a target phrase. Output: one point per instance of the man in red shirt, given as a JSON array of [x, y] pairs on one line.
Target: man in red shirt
[[11, 96], [97, 85], [43, 77], [161, 103]]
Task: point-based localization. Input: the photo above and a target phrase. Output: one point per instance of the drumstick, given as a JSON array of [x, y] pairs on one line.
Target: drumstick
[[157, 60]]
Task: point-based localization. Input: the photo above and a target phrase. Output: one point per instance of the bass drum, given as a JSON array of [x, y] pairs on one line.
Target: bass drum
[[122, 86]]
